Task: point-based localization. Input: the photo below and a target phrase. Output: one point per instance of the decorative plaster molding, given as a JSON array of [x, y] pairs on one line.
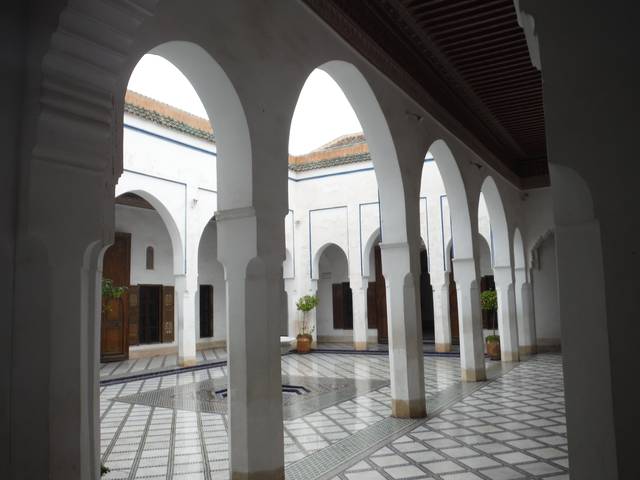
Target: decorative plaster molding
[[528, 24], [234, 214], [362, 42]]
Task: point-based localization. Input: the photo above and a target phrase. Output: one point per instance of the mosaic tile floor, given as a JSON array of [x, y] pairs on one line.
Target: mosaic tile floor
[[159, 363], [509, 428]]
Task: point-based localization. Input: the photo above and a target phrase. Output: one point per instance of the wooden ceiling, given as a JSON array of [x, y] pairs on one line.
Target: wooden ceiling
[[470, 59]]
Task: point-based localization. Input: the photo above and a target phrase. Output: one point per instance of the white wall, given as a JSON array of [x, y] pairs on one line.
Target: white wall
[[336, 205], [211, 272], [545, 293], [147, 230]]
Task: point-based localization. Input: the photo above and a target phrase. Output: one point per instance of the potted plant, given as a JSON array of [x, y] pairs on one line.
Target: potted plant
[[489, 302], [305, 305], [110, 293]]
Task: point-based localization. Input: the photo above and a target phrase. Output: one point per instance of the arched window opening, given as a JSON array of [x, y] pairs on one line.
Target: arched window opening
[[150, 258]]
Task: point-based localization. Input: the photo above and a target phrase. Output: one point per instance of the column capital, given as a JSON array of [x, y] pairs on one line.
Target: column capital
[[234, 214]]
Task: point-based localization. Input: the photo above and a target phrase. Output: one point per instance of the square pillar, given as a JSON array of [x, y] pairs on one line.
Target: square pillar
[[254, 285], [507, 323], [441, 316], [406, 358], [359, 287], [524, 313], [185, 305], [472, 367]]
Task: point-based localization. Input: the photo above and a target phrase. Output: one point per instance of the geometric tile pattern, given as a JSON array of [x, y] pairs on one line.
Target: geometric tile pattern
[[156, 363], [487, 434], [301, 395], [512, 428]]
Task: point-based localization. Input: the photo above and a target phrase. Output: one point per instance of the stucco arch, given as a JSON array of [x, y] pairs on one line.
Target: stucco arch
[[170, 222], [500, 238], [366, 251], [227, 117], [456, 196], [315, 274], [381, 146], [519, 258]]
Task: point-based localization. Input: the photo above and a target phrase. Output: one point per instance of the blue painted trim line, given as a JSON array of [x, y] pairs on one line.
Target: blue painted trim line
[[169, 139], [310, 245]]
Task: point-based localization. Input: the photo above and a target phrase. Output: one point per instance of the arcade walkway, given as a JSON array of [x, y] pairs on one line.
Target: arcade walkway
[[337, 424]]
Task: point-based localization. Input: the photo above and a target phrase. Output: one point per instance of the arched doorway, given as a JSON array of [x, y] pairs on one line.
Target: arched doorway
[[140, 261], [426, 297], [334, 316]]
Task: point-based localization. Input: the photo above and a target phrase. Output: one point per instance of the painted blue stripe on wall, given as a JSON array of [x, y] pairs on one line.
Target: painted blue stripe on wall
[[168, 139]]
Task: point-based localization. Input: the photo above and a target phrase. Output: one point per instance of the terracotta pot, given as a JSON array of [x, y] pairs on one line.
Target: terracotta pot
[[493, 349], [303, 343]]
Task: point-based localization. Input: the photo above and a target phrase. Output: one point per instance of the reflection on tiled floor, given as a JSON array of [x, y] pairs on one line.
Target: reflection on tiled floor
[[159, 363], [512, 427]]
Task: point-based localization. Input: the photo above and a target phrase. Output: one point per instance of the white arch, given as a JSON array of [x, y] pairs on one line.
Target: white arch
[[457, 198], [447, 255], [519, 258], [371, 242], [499, 227], [177, 243], [227, 117], [315, 274], [381, 147]]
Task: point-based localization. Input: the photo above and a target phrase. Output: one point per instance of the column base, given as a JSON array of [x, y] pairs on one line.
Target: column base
[[277, 474], [187, 362], [443, 347], [360, 346], [472, 375], [408, 408], [510, 356], [528, 349]]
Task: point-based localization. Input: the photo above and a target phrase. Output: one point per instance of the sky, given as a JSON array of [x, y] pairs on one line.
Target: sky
[[322, 114]]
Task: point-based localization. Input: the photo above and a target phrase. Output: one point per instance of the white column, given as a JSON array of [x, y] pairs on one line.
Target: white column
[[507, 323], [312, 315], [406, 360], [359, 287], [524, 310], [441, 317], [472, 367], [292, 311], [186, 288], [254, 285]]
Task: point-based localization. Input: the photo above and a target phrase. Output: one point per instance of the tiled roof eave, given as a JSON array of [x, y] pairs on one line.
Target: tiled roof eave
[[168, 122], [330, 162]]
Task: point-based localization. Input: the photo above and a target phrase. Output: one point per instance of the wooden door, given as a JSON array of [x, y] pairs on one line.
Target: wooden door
[[150, 301], [168, 314], [337, 299], [347, 315], [116, 266], [381, 299], [134, 315], [372, 309], [206, 311], [453, 308], [426, 298]]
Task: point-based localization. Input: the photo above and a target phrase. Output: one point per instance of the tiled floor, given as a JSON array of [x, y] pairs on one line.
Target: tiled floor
[[160, 363], [512, 427], [156, 363]]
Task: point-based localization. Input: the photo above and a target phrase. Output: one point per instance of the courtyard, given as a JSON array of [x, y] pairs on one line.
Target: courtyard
[[159, 424]]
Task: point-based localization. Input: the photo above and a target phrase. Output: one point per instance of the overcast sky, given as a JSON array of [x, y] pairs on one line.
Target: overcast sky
[[322, 113]]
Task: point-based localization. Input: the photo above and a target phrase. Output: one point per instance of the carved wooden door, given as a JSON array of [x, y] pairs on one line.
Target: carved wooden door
[[116, 266], [167, 314]]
